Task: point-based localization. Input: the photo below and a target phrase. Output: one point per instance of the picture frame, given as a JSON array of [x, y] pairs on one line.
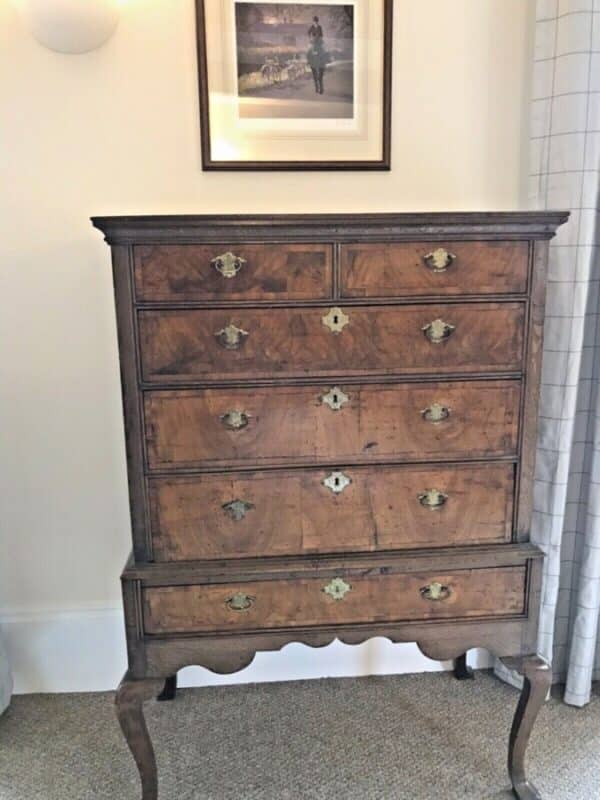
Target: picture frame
[[295, 86]]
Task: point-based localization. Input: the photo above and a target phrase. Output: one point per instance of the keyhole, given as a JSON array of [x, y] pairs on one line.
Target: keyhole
[[335, 399], [337, 482], [336, 319]]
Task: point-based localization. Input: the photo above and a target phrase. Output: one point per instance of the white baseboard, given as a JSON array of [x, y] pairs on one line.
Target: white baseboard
[[84, 651]]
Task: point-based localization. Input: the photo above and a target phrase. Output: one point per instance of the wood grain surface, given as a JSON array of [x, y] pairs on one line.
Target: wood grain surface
[[292, 424], [285, 271], [184, 346], [292, 512], [399, 269], [303, 602]]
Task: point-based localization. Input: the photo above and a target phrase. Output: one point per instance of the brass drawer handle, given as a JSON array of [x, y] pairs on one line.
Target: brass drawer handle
[[337, 589], [235, 420], [240, 602], [439, 260], [433, 499], [438, 331], [435, 592], [335, 399], [237, 509], [436, 412], [231, 337], [228, 264], [337, 482], [336, 320]]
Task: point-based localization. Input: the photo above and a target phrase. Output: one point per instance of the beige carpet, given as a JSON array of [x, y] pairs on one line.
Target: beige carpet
[[384, 738]]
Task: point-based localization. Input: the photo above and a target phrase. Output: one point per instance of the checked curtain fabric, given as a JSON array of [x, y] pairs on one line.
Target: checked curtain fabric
[[565, 173]]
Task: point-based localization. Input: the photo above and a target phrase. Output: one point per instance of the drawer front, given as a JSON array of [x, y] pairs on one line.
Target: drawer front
[[254, 343], [307, 602], [296, 424], [428, 268], [223, 272], [320, 511]]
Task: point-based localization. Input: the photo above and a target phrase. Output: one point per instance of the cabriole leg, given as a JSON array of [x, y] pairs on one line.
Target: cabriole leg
[[461, 671], [129, 700], [169, 691], [538, 678]]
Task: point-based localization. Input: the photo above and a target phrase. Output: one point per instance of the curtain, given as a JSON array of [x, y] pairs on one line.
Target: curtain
[[565, 173], [5, 678]]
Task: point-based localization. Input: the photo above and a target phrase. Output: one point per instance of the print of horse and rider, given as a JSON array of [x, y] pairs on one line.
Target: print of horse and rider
[[295, 60], [316, 57]]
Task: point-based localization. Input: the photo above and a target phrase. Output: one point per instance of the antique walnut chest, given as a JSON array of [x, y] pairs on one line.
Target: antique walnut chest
[[330, 426]]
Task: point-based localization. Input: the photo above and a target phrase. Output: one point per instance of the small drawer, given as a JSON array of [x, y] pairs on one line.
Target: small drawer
[[353, 509], [410, 269], [249, 343], [296, 425], [222, 272], [340, 600]]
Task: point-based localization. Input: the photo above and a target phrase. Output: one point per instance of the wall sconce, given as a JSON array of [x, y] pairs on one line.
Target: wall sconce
[[70, 26]]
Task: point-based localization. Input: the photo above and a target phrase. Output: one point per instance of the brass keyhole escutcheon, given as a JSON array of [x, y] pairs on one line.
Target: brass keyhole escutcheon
[[336, 320], [240, 602], [435, 413], [438, 331], [435, 592], [439, 260], [228, 264], [337, 589], [337, 482], [335, 399], [433, 499], [231, 337]]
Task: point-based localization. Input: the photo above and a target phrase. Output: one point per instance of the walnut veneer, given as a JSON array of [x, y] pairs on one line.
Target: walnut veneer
[[330, 426]]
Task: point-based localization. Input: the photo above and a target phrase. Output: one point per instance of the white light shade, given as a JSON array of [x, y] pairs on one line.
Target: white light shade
[[70, 26]]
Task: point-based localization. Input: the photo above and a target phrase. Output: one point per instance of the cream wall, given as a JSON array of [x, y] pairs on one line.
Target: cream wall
[[116, 131]]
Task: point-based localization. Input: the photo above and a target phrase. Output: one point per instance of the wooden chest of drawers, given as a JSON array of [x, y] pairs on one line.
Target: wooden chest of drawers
[[330, 426]]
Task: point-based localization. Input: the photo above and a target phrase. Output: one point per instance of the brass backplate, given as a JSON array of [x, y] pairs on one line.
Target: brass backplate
[[231, 337], [237, 509], [235, 420], [439, 260], [435, 592], [438, 331], [228, 264], [240, 602], [433, 499], [436, 412]]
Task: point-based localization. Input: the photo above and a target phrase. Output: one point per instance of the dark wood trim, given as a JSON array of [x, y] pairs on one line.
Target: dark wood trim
[[190, 229], [227, 470], [340, 378], [202, 66], [537, 676], [273, 568], [134, 438], [531, 393], [225, 655], [210, 165]]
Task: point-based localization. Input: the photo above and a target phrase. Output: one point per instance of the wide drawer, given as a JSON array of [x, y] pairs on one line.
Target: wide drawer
[[308, 602], [281, 425], [297, 512], [203, 272], [411, 269], [188, 345]]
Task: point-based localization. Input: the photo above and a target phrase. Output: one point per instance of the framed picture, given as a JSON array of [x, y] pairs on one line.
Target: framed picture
[[295, 85]]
